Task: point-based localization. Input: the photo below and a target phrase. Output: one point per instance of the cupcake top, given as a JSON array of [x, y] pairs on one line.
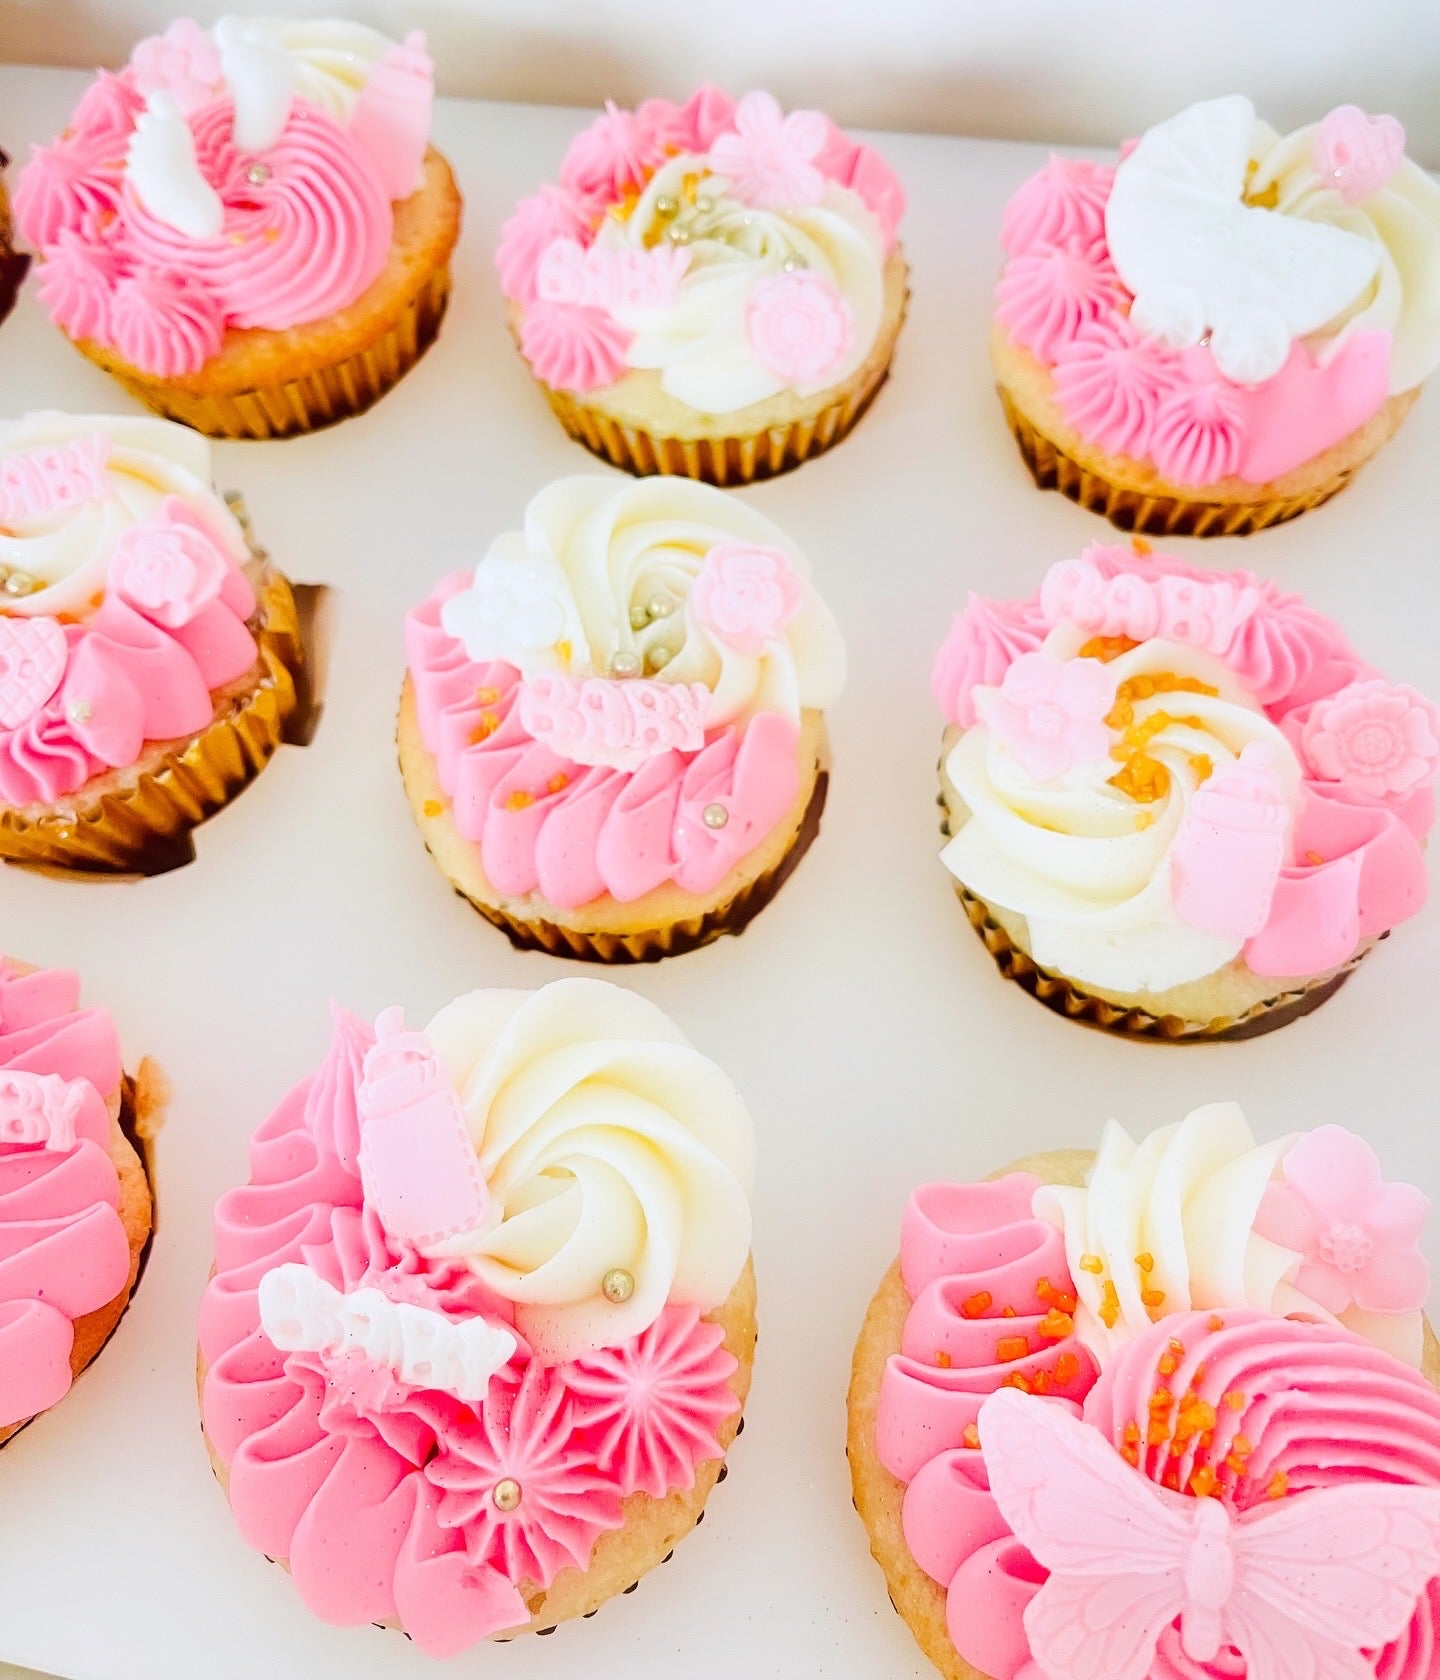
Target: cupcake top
[[1225, 302], [1169, 1425], [467, 1279], [733, 250], [238, 177], [63, 1247], [123, 604], [1168, 771], [615, 697]]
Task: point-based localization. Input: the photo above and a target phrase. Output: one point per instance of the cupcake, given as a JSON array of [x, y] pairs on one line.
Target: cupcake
[[1214, 334], [1178, 803], [148, 657], [75, 1207], [709, 289], [13, 263], [612, 731], [248, 226], [1164, 1413], [482, 1323]]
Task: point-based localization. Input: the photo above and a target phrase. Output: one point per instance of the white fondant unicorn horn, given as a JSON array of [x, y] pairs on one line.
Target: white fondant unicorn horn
[[261, 79], [164, 172]]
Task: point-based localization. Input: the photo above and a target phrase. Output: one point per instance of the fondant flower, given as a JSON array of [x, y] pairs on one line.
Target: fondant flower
[[524, 1492], [513, 607], [1377, 737], [656, 1402], [170, 567], [614, 155], [799, 327], [769, 161], [1051, 713], [571, 348], [1357, 153], [184, 62], [1357, 1237], [529, 233], [745, 595], [33, 656]]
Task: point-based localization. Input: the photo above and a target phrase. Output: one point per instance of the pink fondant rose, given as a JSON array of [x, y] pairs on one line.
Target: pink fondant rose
[[170, 568], [184, 62], [799, 327], [770, 159], [1377, 737], [1051, 714], [1356, 1235], [746, 595]]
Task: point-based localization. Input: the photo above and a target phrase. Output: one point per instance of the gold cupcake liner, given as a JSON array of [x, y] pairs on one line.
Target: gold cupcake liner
[[143, 826], [652, 944], [320, 398], [1132, 510]]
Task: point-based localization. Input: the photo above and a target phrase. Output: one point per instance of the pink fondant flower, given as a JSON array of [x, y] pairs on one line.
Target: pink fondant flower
[[1051, 713], [1047, 295], [524, 1434], [530, 231], [1357, 153], [655, 1402], [170, 567], [184, 62], [1377, 737], [1357, 1236], [572, 348], [984, 642], [745, 595], [616, 153], [769, 160], [799, 327]]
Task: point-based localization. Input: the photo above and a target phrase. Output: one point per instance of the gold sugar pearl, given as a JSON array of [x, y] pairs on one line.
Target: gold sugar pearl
[[625, 664], [506, 1494], [715, 816], [617, 1286]]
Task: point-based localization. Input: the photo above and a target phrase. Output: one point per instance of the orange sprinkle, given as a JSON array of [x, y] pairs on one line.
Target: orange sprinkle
[[519, 800], [1044, 1289], [1204, 1482], [1007, 1312], [1314, 859], [1202, 767], [558, 782], [1161, 1401], [1010, 1348], [1141, 547], [1041, 1384], [1215, 1323], [1158, 1433], [1131, 1436], [1146, 1262], [1199, 1375], [978, 1305], [1171, 1480], [1131, 1455], [1168, 1365], [970, 1435], [1152, 1298], [943, 1359], [1176, 1346], [1017, 1379], [488, 724], [1066, 1303], [1109, 1306], [1056, 1325], [1235, 1400], [1241, 1447], [1195, 1417], [1106, 648], [1279, 1486], [1235, 1464], [486, 696], [1092, 1263], [432, 807], [1067, 1368]]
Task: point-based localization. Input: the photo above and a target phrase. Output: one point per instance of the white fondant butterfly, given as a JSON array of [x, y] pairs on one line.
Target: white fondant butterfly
[[1299, 1588], [1199, 259]]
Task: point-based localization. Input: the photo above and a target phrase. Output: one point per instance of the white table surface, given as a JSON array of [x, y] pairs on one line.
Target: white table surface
[[860, 1015]]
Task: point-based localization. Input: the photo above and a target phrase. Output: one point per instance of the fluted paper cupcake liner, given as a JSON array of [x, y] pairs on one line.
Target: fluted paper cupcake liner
[[305, 404], [144, 825], [673, 940], [1133, 510]]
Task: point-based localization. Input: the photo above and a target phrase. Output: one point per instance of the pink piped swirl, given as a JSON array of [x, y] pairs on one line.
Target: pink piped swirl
[[165, 322], [63, 1248], [572, 347], [617, 152], [76, 283], [1197, 436], [299, 245], [1063, 204], [1110, 384], [70, 187], [536, 223], [985, 640], [1046, 296]]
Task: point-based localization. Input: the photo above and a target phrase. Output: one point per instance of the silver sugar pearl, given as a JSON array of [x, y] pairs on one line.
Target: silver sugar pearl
[[625, 664], [258, 174], [617, 1286], [678, 234], [19, 583], [506, 1494], [660, 606], [81, 711], [659, 656], [715, 816], [667, 205]]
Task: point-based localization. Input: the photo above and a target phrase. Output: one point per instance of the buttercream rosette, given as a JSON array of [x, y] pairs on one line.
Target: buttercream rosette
[[247, 225], [1167, 1412], [481, 1323], [711, 289], [75, 1204], [1178, 803], [611, 732], [1213, 334], [148, 659]]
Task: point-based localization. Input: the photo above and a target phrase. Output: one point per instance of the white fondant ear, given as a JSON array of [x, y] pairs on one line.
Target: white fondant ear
[[164, 172], [1178, 228], [261, 79]]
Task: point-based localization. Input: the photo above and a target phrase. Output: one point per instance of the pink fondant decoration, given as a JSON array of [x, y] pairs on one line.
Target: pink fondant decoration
[[602, 277], [184, 62], [45, 1111], [391, 119], [1380, 738], [769, 158], [745, 594], [35, 483], [1051, 714], [170, 568], [598, 720], [572, 348], [1207, 612], [1358, 1237], [32, 664], [799, 327], [1230, 847], [417, 1162], [1357, 153], [534, 226]]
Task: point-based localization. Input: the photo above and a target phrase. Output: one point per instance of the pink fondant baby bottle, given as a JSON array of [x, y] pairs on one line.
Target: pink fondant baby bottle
[[417, 1162], [1231, 847], [391, 119]]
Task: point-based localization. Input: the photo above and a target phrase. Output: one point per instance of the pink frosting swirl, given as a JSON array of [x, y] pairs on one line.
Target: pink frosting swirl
[[1046, 296], [1062, 204], [70, 187], [984, 642], [617, 152], [164, 322], [77, 283], [1198, 434], [1110, 383], [528, 233], [571, 347], [694, 126], [63, 1248]]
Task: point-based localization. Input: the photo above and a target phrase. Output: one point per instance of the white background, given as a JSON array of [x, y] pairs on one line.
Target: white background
[[860, 1015], [1076, 70]]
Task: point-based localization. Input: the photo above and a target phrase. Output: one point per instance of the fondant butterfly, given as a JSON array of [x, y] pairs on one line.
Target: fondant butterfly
[[1298, 1588], [1199, 259]]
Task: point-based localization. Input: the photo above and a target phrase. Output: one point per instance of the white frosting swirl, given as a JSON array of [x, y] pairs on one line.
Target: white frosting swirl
[[1084, 862], [68, 549], [698, 343], [570, 592], [333, 59], [607, 1142]]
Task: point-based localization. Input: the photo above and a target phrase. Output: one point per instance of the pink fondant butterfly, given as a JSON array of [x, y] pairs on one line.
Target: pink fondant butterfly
[[1298, 1588]]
